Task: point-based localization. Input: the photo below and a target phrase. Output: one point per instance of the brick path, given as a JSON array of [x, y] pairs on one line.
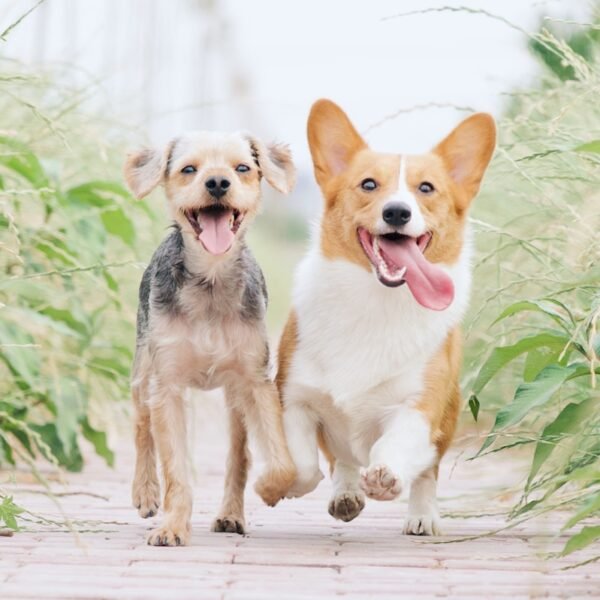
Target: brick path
[[295, 550]]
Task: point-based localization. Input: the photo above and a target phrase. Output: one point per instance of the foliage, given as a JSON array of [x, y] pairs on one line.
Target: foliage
[[9, 511], [536, 309], [68, 245]]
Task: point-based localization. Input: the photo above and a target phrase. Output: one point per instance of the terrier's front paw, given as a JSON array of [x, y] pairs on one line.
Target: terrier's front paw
[[380, 483], [347, 505], [169, 535], [304, 484], [274, 484], [146, 497], [422, 525], [228, 524]]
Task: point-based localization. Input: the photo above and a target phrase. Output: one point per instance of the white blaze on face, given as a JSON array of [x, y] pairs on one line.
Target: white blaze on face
[[416, 226]]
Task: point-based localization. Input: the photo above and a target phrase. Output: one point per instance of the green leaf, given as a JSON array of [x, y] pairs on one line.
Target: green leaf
[[73, 461], [97, 193], [538, 358], [98, 439], [474, 406], [54, 249], [593, 146], [110, 367], [117, 223], [530, 395], [502, 355], [569, 420], [68, 318], [111, 282], [590, 508], [9, 511], [70, 409], [582, 539], [21, 160], [22, 361], [541, 306]]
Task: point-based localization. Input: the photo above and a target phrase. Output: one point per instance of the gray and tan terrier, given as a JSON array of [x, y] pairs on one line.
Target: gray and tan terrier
[[201, 324]]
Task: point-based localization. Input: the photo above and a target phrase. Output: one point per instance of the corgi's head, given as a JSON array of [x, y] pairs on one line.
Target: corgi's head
[[401, 216]]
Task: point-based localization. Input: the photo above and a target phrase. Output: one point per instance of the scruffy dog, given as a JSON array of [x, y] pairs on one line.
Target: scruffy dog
[[201, 324]]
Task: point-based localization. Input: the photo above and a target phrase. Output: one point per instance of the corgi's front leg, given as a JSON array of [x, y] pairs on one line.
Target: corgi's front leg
[[300, 425], [402, 453]]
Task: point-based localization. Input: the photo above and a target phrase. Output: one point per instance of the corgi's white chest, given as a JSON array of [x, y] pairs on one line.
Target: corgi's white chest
[[355, 334]]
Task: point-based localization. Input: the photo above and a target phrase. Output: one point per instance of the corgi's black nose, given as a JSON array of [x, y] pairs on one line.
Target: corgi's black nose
[[217, 186], [396, 213]]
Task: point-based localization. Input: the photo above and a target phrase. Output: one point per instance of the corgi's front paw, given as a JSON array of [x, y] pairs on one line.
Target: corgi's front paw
[[304, 484], [422, 525], [380, 483], [347, 505]]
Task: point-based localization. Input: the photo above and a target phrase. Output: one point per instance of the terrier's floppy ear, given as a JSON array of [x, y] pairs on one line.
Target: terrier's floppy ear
[[275, 163], [467, 151], [332, 138], [146, 168]]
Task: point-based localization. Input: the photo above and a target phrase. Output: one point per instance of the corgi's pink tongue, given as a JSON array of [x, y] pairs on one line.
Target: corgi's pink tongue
[[216, 235], [429, 284]]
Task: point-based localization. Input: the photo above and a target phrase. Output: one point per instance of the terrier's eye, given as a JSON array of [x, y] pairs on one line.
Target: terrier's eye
[[426, 188], [242, 168], [368, 184], [189, 169]]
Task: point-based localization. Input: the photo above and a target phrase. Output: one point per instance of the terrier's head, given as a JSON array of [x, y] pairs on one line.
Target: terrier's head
[[212, 182]]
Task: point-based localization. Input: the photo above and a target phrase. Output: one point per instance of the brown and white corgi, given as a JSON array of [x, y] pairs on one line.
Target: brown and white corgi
[[370, 356]]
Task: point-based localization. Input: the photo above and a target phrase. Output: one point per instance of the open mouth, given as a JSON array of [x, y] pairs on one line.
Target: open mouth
[[399, 259], [215, 226]]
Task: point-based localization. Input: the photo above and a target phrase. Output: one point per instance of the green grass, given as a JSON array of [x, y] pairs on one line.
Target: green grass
[[536, 303]]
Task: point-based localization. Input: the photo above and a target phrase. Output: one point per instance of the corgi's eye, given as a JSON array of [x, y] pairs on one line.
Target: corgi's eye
[[368, 184], [242, 168], [189, 169], [426, 188]]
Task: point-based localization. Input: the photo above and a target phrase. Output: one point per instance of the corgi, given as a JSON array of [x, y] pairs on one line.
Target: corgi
[[370, 356]]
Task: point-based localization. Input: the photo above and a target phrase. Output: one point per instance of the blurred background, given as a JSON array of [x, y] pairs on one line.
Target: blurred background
[[82, 82]]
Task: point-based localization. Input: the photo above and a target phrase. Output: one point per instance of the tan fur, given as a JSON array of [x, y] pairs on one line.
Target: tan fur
[[205, 344], [287, 345], [441, 400]]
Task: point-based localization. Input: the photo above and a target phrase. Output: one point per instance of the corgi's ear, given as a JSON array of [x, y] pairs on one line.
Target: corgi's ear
[[332, 138], [145, 168], [467, 151], [275, 163]]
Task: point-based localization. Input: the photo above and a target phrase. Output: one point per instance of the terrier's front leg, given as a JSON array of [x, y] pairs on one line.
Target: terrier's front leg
[[272, 485], [399, 456], [231, 516], [169, 431]]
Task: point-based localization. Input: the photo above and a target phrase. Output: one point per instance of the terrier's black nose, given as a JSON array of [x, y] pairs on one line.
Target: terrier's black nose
[[217, 186], [396, 213]]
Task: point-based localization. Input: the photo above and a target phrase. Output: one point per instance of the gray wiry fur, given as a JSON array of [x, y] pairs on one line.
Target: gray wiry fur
[[166, 276]]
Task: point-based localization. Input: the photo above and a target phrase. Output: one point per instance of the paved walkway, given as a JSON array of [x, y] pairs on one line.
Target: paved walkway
[[295, 550]]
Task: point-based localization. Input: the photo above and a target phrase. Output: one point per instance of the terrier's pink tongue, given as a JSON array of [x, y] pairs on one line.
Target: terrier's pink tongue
[[429, 284], [216, 235]]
